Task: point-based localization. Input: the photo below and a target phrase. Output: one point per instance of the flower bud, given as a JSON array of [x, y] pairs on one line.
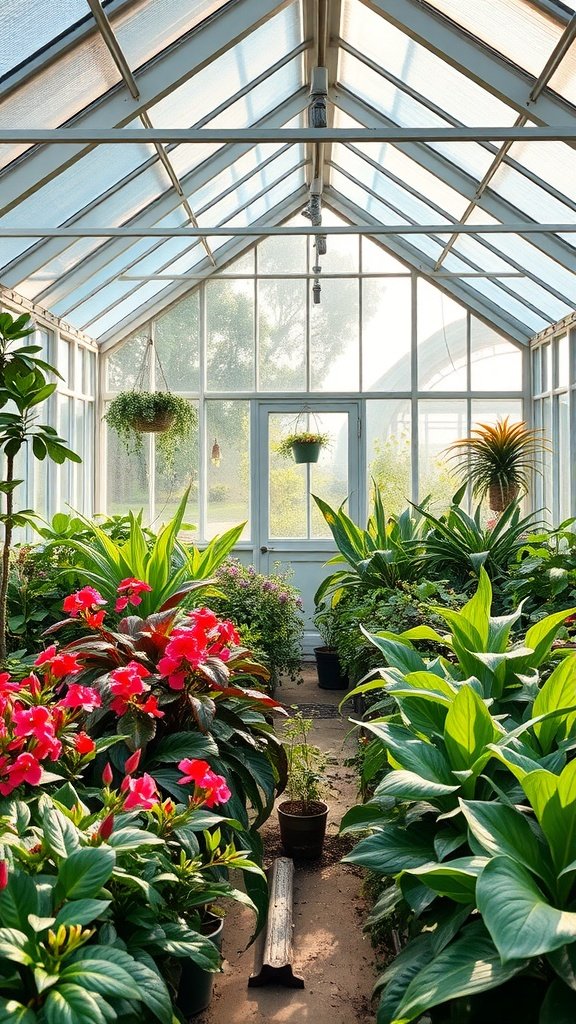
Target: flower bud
[[107, 774], [107, 827], [132, 762], [3, 874]]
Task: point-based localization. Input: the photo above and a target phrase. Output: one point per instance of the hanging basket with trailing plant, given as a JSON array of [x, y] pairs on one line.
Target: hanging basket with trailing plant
[[303, 446], [134, 413]]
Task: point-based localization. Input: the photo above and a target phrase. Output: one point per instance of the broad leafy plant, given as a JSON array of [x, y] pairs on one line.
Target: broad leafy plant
[[386, 553]]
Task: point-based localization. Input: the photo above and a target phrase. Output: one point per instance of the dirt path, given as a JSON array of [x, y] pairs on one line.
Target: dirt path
[[330, 951]]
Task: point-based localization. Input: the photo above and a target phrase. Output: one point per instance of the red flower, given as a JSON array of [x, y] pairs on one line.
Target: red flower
[[204, 618], [85, 600], [201, 774], [127, 682], [34, 721], [8, 685], [141, 792], [65, 665], [130, 589], [94, 619], [3, 874], [228, 633], [150, 707], [84, 743], [78, 696], [24, 769], [46, 655]]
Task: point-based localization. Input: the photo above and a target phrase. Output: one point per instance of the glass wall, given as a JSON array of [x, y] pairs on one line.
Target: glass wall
[[423, 368], [49, 488], [554, 412]]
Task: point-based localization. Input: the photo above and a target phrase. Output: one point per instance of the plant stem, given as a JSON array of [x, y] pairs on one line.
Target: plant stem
[[8, 527]]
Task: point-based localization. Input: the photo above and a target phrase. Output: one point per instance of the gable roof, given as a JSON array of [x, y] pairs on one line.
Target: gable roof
[[206, 63]]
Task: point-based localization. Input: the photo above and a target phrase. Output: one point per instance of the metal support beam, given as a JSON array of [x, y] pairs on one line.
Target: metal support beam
[[119, 58], [565, 132], [311, 277], [417, 260], [176, 65], [474, 59], [552, 64], [34, 259], [127, 230], [458, 179]]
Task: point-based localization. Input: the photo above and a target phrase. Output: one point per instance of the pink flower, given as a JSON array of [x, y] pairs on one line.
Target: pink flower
[[8, 685], [216, 790], [46, 655], [78, 696], [65, 665], [34, 721], [25, 768], [130, 590], [195, 771], [150, 707], [141, 792], [132, 762], [85, 600], [204, 618], [126, 682], [84, 743], [3, 874]]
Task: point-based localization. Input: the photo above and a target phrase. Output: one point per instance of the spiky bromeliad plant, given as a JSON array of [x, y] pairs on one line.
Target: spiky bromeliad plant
[[498, 459], [132, 413]]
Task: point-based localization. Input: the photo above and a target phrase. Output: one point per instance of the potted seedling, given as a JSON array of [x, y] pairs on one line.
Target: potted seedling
[[331, 676], [303, 815], [303, 446], [134, 413], [498, 460]]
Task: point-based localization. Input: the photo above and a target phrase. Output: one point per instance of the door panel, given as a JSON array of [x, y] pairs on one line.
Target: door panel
[[292, 530]]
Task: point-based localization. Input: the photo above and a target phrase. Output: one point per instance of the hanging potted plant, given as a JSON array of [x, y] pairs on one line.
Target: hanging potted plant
[[303, 816], [498, 460], [133, 413], [303, 446]]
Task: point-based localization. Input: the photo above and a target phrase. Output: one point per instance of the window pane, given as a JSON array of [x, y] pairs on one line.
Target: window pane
[[287, 516], [177, 341], [228, 479], [230, 336], [170, 484], [283, 255], [282, 335], [386, 334], [563, 353], [334, 337], [125, 364], [496, 363], [127, 478], [377, 260], [441, 341], [329, 476], [439, 423], [388, 432], [564, 457]]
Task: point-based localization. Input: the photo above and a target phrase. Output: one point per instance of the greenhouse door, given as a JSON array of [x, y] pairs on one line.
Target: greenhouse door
[[291, 529]]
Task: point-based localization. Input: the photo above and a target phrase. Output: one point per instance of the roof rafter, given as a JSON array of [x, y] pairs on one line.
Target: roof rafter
[[162, 75]]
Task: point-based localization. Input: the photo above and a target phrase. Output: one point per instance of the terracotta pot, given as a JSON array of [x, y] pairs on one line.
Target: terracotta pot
[[162, 421], [303, 833], [500, 496]]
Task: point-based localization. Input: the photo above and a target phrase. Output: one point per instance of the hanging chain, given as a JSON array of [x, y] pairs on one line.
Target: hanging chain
[[141, 384]]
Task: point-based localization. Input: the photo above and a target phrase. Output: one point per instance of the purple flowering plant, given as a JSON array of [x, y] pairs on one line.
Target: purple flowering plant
[[267, 610]]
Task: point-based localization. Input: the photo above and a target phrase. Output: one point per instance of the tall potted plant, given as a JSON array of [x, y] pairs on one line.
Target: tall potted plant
[[498, 460], [303, 816], [331, 675]]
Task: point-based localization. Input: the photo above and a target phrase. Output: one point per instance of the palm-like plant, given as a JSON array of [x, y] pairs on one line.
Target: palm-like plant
[[498, 459]]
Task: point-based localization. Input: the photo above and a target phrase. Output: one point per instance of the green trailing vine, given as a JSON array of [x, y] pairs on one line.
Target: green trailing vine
[[129, 407]]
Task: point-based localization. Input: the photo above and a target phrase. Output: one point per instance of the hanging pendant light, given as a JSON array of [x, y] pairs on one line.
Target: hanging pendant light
[[216, 454]]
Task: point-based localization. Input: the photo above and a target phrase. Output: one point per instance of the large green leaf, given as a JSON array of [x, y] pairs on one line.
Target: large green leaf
[[559, 691], [13, 1012], [520, 919], [468, 965], [60, 833], [395, 849], [455, 879], [101, 974], [540, 636], [15, 946], [412, 754], [17, 900], [81, 912], [183, 744], [71, 1004], [152, 986], [553, 798], [398, 654], [405, 785], [502, 830], [84, 873], [184, 942], [468, 730]]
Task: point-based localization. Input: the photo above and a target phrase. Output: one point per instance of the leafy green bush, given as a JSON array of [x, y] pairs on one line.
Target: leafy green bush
[[475, 817], [269, 609], [129, 411]]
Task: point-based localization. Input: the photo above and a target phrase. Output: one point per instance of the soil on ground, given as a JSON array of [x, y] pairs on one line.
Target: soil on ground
[[331, 952]]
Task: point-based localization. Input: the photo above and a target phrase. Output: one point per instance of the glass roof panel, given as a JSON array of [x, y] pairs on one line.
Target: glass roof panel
[[553, 162], [233, 70], [521, 31], [530, 198], [420, 69], [391, 192], [26, 29]]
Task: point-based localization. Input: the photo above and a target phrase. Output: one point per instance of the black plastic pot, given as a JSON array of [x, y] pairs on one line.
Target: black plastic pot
[[330, 674], [195, 988], [306, 451], [303, 834]]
